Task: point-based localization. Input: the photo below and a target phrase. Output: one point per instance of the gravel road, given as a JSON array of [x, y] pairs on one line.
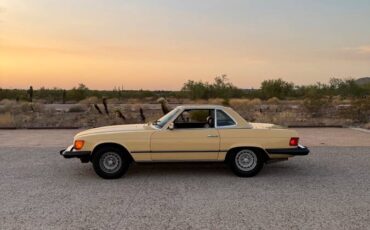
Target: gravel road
[[329, 189]]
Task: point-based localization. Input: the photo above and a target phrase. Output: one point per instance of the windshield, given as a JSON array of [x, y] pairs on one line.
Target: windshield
[[163, 120]]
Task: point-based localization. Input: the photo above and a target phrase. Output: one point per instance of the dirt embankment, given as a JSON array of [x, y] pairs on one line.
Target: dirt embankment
[[92, 114]]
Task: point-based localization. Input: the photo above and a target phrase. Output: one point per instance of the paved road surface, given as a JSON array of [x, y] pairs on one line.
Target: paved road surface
[[329, 189]]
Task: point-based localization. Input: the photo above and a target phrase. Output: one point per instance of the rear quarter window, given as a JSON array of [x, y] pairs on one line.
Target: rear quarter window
[[223, 119]]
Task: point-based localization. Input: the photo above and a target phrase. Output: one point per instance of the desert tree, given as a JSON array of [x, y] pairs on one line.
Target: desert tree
[[276, 88]]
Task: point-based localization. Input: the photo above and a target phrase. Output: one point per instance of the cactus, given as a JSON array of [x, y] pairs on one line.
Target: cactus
[[120, 114], [105, 103], [98, 109], [142, 116], [30, 93], [164, 105], [64, 95]]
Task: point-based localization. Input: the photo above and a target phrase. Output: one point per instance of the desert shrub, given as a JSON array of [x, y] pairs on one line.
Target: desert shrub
[[38, 107], [77, 109], [277, 88], [255, 101], [360, 110], [216, 101], [314, 101], [25, 107], [346, 87], [237, 102], [89, 101], [226, 102], [28, 107], [7, 105], [133, 101], [6, 120], [273, 101], [7, 102], [315, 105], [220, 88], [113, 101], [78, 93], [284, 118]]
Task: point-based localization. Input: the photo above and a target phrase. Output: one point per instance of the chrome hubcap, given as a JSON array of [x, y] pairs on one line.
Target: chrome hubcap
[[110, 162], [246, 160]]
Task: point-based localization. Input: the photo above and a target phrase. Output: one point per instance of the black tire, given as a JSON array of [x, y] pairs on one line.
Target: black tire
[[250, 159], [110, 162]]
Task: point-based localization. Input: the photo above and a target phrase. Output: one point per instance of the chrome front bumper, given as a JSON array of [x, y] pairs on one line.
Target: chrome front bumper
[[71, 153]]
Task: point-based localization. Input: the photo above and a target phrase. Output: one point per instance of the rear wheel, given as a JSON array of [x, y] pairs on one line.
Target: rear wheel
[[245, 162], [110, 162]]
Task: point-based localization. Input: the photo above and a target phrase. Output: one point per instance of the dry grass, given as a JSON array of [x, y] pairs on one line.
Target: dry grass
[[292, 112], [89, 101], [216, 101], [243, 102], [273, 101], [6, 120], [6, 102], [133, 101], [114, 101], [77, 109]]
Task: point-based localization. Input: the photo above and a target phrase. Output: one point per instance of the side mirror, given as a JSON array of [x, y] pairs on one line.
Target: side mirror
[[171, 126]]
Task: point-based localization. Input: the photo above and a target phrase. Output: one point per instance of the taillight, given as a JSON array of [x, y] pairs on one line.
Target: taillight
[[293, 141]]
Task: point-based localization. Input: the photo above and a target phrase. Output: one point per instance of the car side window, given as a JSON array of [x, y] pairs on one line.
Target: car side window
[[195, 118], [223, 119]]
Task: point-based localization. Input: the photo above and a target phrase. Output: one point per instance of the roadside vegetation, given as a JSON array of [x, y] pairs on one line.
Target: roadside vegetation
[[340, 102], [221, 87]]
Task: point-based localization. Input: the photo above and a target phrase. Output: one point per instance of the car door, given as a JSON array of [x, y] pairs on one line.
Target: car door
[[192, 138]]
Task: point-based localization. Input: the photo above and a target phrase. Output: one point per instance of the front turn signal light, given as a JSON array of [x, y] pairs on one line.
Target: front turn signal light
[[293, 141], [79, 144]]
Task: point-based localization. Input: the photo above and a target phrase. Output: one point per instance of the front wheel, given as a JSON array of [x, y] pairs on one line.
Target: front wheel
[[110, 163], [246, 162]]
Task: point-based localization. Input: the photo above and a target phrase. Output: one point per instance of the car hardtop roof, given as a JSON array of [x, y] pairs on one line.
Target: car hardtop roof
[[240, 121], [203, 106]]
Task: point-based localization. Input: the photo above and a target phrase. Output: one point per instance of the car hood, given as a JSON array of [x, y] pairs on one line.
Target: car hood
[[113, 129], [266, 126]]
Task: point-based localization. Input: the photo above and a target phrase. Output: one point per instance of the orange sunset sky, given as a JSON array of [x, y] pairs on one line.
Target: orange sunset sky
[[161, 44]]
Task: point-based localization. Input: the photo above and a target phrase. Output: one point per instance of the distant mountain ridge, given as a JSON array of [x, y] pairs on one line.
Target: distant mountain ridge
[[363, 81]]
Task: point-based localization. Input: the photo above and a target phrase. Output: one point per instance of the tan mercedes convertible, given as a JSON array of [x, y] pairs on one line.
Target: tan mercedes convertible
[[187, 133]]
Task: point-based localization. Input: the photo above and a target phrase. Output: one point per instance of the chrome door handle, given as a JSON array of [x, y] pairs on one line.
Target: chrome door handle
[[212, 135]]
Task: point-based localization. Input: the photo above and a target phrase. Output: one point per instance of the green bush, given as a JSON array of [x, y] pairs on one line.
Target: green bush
[[277, 88], [220, 88]]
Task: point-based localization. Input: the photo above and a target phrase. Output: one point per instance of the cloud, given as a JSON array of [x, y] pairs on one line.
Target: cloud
[[361, 53], [365, 49]]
